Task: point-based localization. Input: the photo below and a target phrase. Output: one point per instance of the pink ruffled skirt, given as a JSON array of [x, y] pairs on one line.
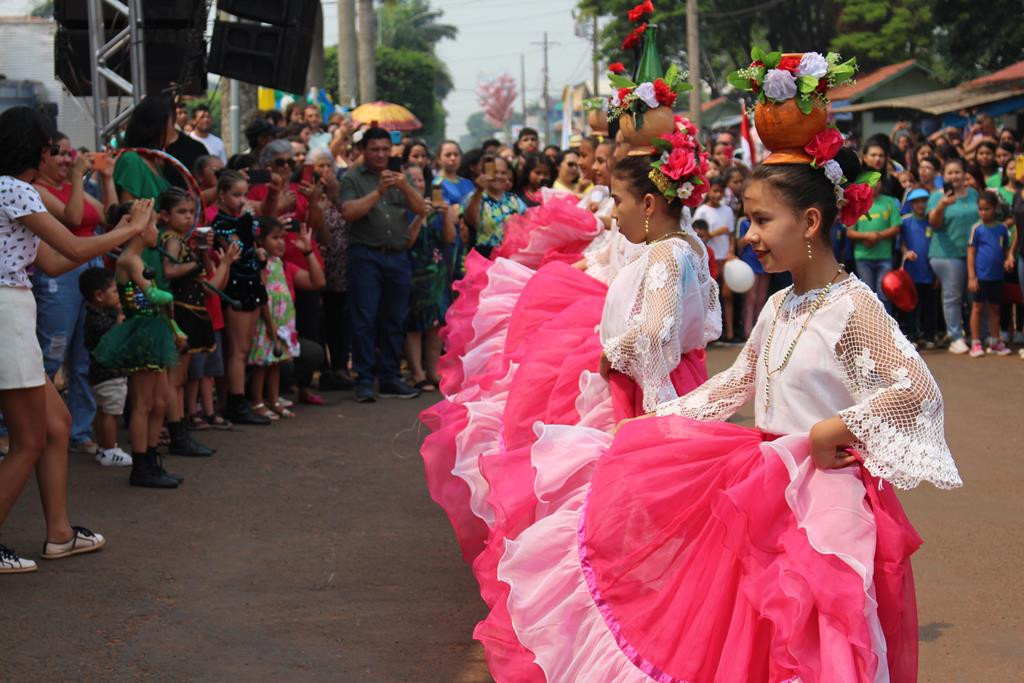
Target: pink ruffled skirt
[[558, 230]]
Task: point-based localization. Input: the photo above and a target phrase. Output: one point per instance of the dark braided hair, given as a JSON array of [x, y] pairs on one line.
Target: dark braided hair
[[24, 134], [171, 197], [803, 187], [635, 171]]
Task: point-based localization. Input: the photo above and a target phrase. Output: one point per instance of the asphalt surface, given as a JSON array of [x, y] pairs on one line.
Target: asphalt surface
[[310, 550]]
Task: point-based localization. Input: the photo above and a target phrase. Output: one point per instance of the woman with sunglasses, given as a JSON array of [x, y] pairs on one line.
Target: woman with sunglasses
[[60, 325]]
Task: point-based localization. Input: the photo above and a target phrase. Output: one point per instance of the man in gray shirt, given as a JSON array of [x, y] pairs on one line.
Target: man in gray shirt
[[377, 203]]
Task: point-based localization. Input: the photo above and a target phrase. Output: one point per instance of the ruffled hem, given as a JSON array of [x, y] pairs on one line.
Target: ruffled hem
[[796, 572], [558, 230]]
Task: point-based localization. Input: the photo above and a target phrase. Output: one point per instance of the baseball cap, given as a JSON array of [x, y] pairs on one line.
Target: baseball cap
[[918, 193], [260, 126]]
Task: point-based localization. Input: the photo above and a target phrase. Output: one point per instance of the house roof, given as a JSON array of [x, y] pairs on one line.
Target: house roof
[[1014, 72], [865, 84], [938, 101]]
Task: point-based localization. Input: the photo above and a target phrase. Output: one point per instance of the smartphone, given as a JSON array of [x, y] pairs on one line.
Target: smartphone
[[489, 168], [259, 176], [948, 190], [437, 196], [307, 174], [100, 160], [396, 137], [395, 164]]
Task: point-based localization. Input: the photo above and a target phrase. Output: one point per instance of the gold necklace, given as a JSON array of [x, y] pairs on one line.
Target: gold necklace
[[668, 235], [818, 301]]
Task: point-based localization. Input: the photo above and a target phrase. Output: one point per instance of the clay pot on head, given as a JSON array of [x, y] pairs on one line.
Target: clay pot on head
[[597, 119], [660, 121]]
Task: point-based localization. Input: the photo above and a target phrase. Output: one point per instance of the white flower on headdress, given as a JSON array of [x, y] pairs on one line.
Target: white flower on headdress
[[616, 102], [685, 190], [779, 85], [812, 64], [645, 91], [833, 171]]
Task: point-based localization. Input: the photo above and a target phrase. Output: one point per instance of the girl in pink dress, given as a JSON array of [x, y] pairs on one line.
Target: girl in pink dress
[[686, 548]]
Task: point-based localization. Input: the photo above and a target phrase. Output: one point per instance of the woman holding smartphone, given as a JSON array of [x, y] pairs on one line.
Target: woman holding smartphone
[[60, 322]]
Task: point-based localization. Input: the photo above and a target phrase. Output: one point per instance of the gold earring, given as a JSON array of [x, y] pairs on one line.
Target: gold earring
[[810, 254], [647, 226]]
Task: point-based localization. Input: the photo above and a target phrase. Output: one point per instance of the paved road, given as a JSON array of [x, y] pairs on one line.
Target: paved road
[[310, 551]]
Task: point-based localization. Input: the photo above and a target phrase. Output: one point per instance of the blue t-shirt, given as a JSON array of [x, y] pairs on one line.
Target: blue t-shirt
[[916, 235], [989, 242], [454, 192], [747, 255]]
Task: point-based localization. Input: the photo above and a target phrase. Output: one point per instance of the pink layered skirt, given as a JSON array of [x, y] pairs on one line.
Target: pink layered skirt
[[687, 551], [557, 230]]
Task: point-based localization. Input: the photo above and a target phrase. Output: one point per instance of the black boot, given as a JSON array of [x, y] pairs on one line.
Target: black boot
[[183, 444], [146, 472], [240, 412], [159, 460]]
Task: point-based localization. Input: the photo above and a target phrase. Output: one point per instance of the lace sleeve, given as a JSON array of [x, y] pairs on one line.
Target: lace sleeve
[[650, 348], [898, 417], [722, 395]]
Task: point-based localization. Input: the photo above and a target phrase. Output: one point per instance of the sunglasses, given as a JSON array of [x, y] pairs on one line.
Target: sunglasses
[[56, 151], [281, 163]]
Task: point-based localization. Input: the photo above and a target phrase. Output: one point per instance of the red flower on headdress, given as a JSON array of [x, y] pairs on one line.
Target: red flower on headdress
[[617, 68], [642, 10], [681, 163], [825, 145], [685, 124], [634, 37], [822, 86], [623, 93], [857, 200], [756, 63], [666, 96], [790, 63]]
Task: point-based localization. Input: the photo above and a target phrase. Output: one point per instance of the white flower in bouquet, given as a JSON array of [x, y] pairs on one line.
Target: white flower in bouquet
[[779, 85]]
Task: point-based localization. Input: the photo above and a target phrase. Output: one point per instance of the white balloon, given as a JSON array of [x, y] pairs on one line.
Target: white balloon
[[738, 275]]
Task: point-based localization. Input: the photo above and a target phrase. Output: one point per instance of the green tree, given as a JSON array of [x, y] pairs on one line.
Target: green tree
[[413, 25], [880, 33], [42, 9], [973, 38]]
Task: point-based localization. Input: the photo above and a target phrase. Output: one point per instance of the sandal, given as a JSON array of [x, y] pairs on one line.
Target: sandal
[[264, 411], [217, 422], [196, 423], [308, 398], [426, 385], [282, 401], [282, 410]]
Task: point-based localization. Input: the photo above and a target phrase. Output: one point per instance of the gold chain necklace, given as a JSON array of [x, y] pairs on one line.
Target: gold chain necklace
[[818, 301], [668, 235]]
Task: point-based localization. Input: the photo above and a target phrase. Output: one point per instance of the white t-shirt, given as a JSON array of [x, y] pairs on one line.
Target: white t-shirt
[[18, 244], [214, 145], [721, 217]]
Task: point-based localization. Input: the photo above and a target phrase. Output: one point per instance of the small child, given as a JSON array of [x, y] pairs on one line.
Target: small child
[[276, 338], [915, 239], [491, 205], [143, 346], [721, 226], [700, 226], [988, 257], [110, 387]]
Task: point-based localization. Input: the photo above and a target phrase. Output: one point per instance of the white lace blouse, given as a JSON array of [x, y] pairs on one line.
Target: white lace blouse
[[851, 361], [661, 305]]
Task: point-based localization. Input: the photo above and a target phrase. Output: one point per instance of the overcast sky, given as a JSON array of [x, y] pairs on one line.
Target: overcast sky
[[492, 35]]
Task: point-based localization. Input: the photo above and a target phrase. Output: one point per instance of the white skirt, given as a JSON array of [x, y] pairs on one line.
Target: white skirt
[[21, 360]]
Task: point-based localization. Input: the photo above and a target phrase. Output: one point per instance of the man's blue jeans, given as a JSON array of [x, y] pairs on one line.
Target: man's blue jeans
[[952, 273], [871, 272], [378, 298], [60, 327]]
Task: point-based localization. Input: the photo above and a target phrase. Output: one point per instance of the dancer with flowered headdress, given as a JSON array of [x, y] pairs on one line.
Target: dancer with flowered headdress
[[686, 548]]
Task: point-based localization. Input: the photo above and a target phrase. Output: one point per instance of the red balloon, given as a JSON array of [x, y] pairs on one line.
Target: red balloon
[[898, 287]]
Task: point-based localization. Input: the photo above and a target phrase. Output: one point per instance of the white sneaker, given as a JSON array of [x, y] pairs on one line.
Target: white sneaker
[[113, 457], [82, 541], [959, 347], [10, 563]]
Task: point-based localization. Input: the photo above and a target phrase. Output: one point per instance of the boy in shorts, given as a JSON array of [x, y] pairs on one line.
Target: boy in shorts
[[102, 312], [988, 258]]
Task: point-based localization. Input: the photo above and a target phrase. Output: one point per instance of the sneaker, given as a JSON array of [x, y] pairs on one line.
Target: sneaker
[[87, 447], [397, 389], [1018, 338], [10, 563], [365, 394], [959, 347], [998, 349], [976, 350], [113, 457], [82, 541], [928, 345]]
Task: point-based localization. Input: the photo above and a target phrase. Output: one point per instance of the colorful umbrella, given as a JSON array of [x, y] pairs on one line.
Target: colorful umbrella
[[386, 115]]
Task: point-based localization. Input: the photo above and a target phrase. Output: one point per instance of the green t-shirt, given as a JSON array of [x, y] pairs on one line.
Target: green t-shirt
[[133, 175], [951, 240], [994, 181], [884, 214]]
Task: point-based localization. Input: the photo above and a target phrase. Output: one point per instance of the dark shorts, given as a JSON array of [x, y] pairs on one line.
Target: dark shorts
[[989, 292], [209, 363]]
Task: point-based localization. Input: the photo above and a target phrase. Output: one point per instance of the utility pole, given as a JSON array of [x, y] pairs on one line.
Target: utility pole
[[348, 75], [547, 104], [593, 48], [693, 57], [522, 83]]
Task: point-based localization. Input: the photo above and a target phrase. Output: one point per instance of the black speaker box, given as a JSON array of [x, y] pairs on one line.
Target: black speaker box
[[270, 56], [173, 56], [300, 13], [167, 13]]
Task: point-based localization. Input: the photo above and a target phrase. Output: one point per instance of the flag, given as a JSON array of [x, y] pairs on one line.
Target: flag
[[566, 118]]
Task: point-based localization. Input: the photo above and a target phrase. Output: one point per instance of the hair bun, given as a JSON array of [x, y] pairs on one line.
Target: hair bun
[[849, 162]]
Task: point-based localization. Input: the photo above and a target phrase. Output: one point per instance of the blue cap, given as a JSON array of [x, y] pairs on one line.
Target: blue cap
[[919, 193]]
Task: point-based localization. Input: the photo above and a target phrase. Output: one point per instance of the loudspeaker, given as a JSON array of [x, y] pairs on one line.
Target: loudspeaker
[[168, 13], [270, 56], [301, 13], [173, 56]]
